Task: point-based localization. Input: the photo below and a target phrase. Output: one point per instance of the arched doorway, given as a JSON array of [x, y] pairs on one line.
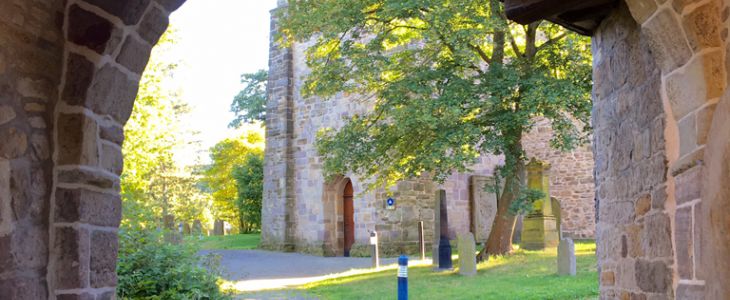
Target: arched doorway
[[348, 218]]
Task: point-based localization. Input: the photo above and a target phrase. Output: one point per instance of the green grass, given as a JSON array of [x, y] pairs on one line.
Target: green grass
[[523, 275], [231, 242]]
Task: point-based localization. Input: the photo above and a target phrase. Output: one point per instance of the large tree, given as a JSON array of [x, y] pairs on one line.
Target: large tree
[[451, 80], [249, 106]]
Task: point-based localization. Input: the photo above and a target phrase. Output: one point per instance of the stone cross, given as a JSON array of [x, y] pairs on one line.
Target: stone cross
[[467, 255], [566, 257]]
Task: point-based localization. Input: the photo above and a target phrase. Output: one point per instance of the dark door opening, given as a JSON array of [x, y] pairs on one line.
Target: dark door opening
[[349, 218]]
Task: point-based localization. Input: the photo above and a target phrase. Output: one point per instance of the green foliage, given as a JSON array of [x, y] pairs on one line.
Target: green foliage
[[526, 201], [153, 182], [451, 80], [250, 104], [218, 177], [249, 177], [151, 269]]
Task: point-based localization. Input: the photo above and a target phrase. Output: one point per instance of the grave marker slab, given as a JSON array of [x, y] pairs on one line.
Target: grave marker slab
[[467, 255], [566, 257]]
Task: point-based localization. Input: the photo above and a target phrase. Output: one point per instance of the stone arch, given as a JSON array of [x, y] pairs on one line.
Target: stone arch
[[688, 42], [107, 46], [333, 215]]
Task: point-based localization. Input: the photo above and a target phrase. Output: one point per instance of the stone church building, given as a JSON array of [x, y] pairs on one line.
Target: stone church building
[[305, 213], [69, 73]]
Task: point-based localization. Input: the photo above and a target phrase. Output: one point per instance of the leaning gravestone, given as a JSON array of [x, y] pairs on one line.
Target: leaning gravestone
[[218, 227], [467, 255], [483, 202], [566, 257], [197, 228]]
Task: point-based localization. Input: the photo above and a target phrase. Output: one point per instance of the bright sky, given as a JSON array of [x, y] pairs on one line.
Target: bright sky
[[218, 40]]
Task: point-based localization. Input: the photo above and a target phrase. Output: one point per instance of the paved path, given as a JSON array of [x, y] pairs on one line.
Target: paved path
[[252, 271]]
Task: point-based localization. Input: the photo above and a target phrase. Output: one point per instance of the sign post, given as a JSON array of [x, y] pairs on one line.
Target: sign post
[[403, 277]]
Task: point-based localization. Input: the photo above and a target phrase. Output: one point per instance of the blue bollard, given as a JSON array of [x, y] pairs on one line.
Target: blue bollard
[[403, 277]]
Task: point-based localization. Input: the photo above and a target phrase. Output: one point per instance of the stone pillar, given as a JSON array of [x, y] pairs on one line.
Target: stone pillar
[[540, 229], [278, 225], [444, 249], [436, 230]]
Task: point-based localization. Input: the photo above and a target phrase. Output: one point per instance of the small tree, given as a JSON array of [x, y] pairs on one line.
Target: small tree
[[249, 177], [451, 80]]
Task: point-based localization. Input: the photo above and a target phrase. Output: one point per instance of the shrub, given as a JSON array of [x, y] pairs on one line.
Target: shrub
[[150, 269]]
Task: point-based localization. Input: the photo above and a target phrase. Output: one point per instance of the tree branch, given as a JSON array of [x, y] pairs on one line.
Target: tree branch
[[552, 41]]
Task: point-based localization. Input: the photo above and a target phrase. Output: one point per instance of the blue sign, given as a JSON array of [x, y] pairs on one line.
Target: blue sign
[[390, 203]]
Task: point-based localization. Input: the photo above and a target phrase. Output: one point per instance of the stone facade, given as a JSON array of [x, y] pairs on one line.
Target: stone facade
[[303, 213]]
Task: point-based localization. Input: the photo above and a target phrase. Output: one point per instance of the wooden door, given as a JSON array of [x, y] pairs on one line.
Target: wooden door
[[349, 218]]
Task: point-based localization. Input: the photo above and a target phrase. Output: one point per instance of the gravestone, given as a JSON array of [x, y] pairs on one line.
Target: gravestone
[[467, 255], [436, 230], [197, 228], [483, 203], [566, 257], [172, 235], [218, 227], [445, 262], [540, 229], [186, 228]]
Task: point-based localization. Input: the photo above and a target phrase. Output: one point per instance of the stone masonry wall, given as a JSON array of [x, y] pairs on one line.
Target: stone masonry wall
[[571, 180], [69, 72], [31, 52]]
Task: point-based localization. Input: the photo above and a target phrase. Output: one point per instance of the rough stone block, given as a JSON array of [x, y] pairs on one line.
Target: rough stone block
[[7, 114], [653, 276], [88, 207], [688, 185], [23, 287], [153, 25], [79, 74], [566, 258], [112, 93], [88, 29], [111, 159], [608, 278], [667, 41], [691, 292], [129, 11], [702, 26], [77, 140], [683, 241], [656, 238], [84, 176], [14, 143], [103, 261], [134, 54], [467, 255], [6, 216], [113, 134], [641, 10], [687, 135], [71, 251]]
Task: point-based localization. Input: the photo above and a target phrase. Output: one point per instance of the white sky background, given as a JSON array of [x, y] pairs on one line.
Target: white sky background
[[217, 41]]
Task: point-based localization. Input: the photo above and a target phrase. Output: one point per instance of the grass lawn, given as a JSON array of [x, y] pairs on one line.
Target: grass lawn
[[231, 242], [523, 275]]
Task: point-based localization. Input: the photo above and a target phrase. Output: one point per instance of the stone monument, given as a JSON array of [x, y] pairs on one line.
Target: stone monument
[[444, 250], [467, 255], [540, 229], [483, 203], [566, 257], [197, 228], [218, 228]]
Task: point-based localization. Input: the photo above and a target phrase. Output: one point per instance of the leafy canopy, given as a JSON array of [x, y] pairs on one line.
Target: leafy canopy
[[450, 80], [249, 105]]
